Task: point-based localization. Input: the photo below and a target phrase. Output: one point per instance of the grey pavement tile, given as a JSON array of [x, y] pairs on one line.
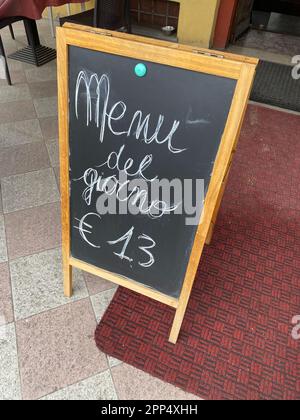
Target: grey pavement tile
[[15, 66], [53, 151], [20, 132], [57, 176], [25, 158], [29, 190], [57, 349], [134, 384], [33, 230], [3, 249], [97, 388], [101, 302], [5, 34], [97, 285], [10, 388], [43, 89], [14, 93], [6, 309], [10, 45], [17, 77], [41, 74], [46, 107], [112, 361], [17, 111], [37, 284], [49, 127], [49, 41], [1, 207]]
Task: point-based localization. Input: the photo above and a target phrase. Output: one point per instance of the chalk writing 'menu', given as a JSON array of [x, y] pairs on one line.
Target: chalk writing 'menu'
[[95, 91]]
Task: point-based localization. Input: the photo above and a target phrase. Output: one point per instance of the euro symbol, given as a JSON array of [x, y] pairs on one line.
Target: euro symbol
[[86, 228]]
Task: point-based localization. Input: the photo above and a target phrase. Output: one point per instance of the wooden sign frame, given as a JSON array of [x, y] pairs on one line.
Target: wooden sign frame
[[239, 68]]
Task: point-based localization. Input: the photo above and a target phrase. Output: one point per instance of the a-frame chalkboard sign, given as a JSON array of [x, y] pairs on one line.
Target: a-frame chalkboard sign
[[151, 111]]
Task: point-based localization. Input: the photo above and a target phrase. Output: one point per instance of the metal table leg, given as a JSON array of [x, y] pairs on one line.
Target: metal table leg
[[35, 53], [2, 53], [11, 31]]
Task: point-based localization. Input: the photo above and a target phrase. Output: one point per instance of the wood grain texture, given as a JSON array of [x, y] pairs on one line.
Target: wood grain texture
[[63, 106], [217, 208], [167, 44], [155, 53], [125, 282]]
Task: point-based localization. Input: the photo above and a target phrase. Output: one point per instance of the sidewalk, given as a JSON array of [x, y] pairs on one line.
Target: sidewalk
[[47, 347]]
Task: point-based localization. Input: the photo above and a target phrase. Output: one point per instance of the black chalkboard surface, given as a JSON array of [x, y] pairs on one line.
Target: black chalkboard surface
[[153, 251]]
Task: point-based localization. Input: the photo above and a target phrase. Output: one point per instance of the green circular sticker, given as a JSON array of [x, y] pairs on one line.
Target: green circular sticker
[[140, 70]]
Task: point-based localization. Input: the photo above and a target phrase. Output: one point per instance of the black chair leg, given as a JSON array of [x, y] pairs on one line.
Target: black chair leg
[[12, 32], [2, 52]]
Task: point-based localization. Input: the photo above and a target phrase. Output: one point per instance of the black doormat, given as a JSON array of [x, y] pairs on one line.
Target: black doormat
[[274, 85]]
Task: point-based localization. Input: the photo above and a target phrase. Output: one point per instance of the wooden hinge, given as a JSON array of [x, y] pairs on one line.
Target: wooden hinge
[[208, 54], [103, 33], [97, 32]]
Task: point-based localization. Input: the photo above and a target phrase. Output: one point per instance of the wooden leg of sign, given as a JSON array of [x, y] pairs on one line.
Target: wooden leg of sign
[[210, 234], [217, 208], [63, 104], [179, 315], [185, 294], [68, 281], [216, 212]]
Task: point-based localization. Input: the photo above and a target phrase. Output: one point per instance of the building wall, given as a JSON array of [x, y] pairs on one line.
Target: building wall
[[196, 22]]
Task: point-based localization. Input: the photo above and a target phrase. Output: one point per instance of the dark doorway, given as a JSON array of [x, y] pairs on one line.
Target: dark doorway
[[242, 20], [279, 16], [270, 30]]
